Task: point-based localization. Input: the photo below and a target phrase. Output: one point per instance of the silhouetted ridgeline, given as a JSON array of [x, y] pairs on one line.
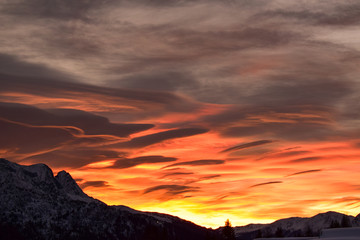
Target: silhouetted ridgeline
[[296, 226], [36, 205]]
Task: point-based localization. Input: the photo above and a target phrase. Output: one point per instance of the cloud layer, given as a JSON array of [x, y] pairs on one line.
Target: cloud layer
[[207, 105]]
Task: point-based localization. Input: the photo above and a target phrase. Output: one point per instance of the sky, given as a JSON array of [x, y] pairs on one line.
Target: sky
[[247, 110]]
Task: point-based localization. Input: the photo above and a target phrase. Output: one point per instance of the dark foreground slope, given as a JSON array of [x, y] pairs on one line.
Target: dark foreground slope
[[297, 227], [36, 205]]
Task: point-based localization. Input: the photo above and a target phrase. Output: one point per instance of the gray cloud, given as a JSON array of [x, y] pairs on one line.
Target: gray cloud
[[95, 124], [75, 156], [283, 121], [90, 123], [164, 50], [197, 163], [183, 47], [24, 139], [273, 61], [252, 113], [303, 91], [165, 81], [70, 10], [11, 65], [288, 131], [160, 102], [131, 162], [59, 9], [42, 136], [341, 14]]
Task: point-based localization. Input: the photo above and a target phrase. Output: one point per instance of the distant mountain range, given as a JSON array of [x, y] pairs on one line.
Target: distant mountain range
[[297, 227], [35, 204]]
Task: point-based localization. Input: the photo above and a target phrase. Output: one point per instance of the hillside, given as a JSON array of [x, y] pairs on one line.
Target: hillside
[[35, 204]]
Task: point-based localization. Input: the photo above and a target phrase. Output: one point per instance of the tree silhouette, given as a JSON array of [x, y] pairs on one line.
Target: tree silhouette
[[334, 224], [279, 232], [345, 222], [258, 234], [228, 231], [266, 232], [309, 232], [299, 233]]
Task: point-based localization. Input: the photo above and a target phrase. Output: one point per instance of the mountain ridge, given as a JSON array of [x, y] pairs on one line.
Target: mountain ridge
[[297, 226], [35, 204]]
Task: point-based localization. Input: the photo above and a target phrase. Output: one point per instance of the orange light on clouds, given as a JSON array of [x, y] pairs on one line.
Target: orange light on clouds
[[231, 195], [211, 178], [211, 110]]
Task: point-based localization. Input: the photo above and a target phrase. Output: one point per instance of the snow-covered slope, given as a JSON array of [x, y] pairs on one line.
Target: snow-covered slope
[[36, 205]]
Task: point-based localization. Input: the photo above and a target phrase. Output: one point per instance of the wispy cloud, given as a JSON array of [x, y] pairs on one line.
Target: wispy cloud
[[94, 184], [147, 140], [132, 162], [176, 174], [265, 183], [306, 159], [172, 189], [304, 172], [197, 163], [120, 94], [246, 145]]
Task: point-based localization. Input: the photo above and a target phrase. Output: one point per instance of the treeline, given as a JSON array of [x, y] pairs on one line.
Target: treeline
[[268, 232]]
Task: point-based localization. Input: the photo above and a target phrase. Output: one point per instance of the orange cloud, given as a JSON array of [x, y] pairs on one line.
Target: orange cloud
[[158, 168]]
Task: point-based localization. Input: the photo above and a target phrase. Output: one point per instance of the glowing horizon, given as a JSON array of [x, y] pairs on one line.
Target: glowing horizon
[[207, 110]]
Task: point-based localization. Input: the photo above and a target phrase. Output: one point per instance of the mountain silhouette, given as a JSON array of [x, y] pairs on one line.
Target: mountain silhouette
[[35, 204], [297, 226]]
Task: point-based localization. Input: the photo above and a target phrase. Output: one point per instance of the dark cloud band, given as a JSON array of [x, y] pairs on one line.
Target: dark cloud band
[[197, 163]]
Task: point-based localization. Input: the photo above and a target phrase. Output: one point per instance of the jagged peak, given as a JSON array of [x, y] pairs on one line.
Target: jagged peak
[[39, 167], [65, 178], [39, 170], [69, 184], [32, 168], [3, 161], [42, 171], [7, 166], [62, 174]]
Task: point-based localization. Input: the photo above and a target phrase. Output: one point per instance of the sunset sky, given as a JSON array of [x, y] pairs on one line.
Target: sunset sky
[[247, 110]]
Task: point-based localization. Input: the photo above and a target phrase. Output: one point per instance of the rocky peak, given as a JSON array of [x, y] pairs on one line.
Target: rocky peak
[[6, 164], [56, 208], [41, 171], [69, 185]]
